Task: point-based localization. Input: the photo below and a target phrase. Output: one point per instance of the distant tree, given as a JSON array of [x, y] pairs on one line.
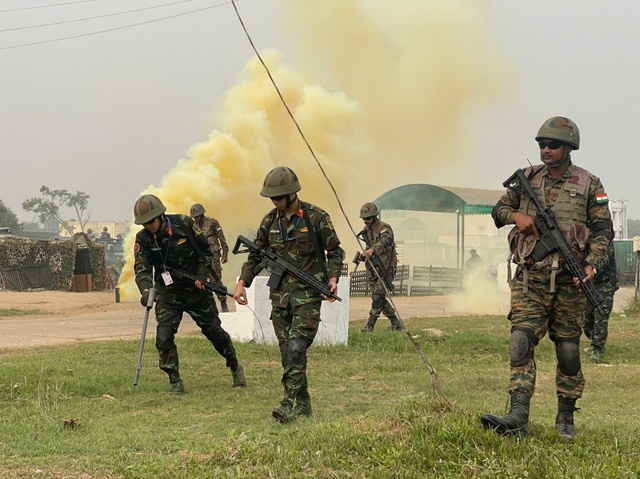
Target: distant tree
[[633, 228], [48, 206], [8, 218]]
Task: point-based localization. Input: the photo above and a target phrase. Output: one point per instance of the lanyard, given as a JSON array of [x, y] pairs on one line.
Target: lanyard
[[283, 231], [164, 257]]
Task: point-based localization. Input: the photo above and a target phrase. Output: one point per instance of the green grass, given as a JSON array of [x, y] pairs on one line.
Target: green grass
[[375, 413], [19, 312]]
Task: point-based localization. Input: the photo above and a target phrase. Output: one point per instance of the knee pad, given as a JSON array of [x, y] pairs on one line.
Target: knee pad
[[164, 337], [521, 346], [284, 353], [568, 355], [298, 352], [377, 301]]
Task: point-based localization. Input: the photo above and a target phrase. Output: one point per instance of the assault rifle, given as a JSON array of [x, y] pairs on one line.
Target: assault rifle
[[374, 265], [278, 267], [152, 295], [216, 288], [551, 238]]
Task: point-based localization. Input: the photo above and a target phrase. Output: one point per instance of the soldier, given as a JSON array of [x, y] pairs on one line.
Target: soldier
[[300, 233], [595, 325], [378, 237], [214, 234], [168, 241], [544, 297], [105, 233]]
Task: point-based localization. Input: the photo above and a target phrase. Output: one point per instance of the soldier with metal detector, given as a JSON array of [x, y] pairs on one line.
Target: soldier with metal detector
[[382, 261], [173, 257]]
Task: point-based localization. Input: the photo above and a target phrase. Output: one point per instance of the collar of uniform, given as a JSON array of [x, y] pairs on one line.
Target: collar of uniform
[[299, 213], [565, 175]]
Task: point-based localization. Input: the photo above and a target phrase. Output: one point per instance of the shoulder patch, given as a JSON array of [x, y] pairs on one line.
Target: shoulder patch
[[136, 248], [602, 198], [329, 223], [196, 228]]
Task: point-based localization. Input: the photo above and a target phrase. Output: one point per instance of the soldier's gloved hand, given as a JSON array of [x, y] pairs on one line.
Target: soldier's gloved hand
[[144, 299], [224, 259]]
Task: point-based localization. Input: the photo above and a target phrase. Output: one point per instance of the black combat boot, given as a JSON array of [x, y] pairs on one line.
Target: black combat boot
[[564, 419], [396, 324], [177, 386], [515, 422], [370, 324], [224, 308], [303, 404], [284, 412], [238, 377]]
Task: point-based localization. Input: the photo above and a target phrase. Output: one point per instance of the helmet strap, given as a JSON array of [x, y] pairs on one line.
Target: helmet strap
[[291, 201]]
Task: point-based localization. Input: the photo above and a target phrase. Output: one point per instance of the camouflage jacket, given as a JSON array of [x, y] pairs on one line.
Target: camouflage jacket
[[609, 272], [172, 248], [290, 239], [213, 232], [597, 214], [383, 244]]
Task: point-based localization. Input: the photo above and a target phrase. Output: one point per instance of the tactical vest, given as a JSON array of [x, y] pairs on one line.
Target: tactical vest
[[570, 210]]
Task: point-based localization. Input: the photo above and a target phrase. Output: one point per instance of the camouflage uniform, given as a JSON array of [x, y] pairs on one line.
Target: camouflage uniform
[[535, 309], [173, 248], [596, 326], [295, 310], [213, 232], [384, 248]]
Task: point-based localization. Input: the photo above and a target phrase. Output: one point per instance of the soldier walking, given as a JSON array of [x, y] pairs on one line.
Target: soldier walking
[[175, 241], [303, 235], [544, 297]]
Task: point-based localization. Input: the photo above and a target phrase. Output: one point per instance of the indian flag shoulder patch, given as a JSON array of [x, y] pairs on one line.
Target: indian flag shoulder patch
[[602, 198]]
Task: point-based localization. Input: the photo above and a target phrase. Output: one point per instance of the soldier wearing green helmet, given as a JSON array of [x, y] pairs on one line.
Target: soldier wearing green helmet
[[379, 239], [303, 235], [544, 296], [212, 230], [174, 241]]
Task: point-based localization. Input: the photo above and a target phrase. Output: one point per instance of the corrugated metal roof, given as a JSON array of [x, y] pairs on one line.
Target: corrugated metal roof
[[443, 199]]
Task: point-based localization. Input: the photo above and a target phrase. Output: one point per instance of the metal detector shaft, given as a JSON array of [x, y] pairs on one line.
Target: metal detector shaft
[[152, 295]]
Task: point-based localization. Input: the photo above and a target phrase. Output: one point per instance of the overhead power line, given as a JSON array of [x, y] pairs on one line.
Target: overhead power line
[[45, 6], [93, 17], [113, 29]]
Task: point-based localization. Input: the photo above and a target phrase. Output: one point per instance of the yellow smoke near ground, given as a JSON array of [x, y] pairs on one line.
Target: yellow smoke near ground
[[395, 84]]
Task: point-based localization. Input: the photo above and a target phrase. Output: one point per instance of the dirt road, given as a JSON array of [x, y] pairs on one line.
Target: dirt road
[[60, 317]]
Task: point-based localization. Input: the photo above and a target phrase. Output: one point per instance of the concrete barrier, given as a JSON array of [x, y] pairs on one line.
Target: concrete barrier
[[243, 325]]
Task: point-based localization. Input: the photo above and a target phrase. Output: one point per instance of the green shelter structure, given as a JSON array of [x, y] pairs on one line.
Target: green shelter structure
[[442, 199]]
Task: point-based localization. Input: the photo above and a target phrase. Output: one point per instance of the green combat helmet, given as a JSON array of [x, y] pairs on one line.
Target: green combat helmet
[[561, 129], [368, 210], [147, 207], [280, 181], [196, 210]]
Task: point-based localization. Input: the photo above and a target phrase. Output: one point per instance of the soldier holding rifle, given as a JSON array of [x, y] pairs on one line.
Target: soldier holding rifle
[[302, 234], [545, 296], [381, 257], [174, 242]]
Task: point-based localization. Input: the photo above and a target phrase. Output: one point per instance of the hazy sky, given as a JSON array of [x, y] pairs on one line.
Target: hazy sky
[[444, 92]]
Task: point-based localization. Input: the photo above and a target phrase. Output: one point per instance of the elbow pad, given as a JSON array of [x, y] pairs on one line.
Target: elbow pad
[[602, 228]]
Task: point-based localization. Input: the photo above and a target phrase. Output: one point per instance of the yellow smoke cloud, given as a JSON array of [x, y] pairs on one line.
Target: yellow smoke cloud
[[225, 172], [395, 85]]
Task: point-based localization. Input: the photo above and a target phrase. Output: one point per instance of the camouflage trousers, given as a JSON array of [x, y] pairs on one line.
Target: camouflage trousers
[[537, 312], [595, 325], [217, 268], [201, 306], [296, 328], [379, 302]]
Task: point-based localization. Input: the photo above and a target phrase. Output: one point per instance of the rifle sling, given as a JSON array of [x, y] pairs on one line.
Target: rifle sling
[[314, 240]]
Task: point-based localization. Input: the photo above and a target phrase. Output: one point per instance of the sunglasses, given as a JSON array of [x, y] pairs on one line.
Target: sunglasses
[[552, 145], [150, 221], [277, 198]]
